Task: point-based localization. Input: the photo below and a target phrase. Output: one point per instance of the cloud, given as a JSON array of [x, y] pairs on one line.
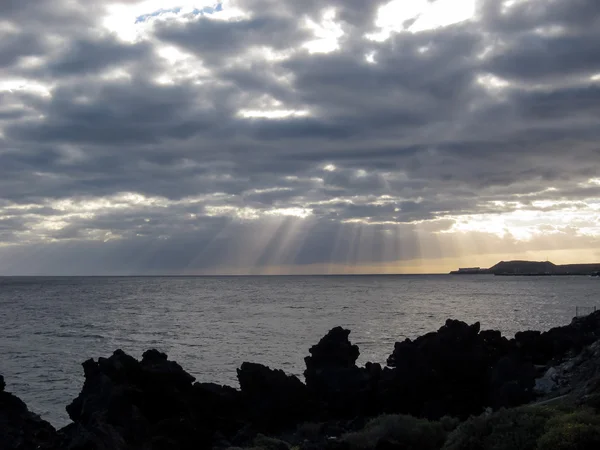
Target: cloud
[[271, 136]]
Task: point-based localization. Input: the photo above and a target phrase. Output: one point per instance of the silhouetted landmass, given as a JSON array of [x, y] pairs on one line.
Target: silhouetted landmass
[[431, 385], [531, 268]]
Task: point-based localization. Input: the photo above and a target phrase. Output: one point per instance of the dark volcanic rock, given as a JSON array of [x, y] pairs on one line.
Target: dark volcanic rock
[[334, 351], [21, 429], [274, 399], [450, 372], [221, 408], [157, 369], [558, 342], [129, 404], [333, 378]]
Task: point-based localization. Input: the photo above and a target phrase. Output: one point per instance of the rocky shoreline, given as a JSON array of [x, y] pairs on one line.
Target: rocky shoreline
[[440, 379]]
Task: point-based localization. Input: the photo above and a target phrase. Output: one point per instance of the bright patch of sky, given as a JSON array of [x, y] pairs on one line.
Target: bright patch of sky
[[327, 34], [205, 10], [524, 224], [24, 85], [272, 114], [293, 212], [128, 20], [421, 15]]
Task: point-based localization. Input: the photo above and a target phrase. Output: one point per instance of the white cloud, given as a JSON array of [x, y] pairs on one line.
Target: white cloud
[[421, 15], [327, 33], [272, 114]]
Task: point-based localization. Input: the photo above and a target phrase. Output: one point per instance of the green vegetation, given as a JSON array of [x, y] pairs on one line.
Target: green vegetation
[[523, 428], [578, 430], [507, 429], [529, 428], [403, 431]]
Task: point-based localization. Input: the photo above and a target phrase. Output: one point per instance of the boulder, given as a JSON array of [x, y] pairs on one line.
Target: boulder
[[547, 383]]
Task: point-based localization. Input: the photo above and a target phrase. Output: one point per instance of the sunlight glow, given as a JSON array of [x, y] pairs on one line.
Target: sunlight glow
[[272, 114], [295, 212], [507, 5], [116, 74], [525, 224], [327, 32], [129, 21], [420, 15], [491, 81], [25, 85]]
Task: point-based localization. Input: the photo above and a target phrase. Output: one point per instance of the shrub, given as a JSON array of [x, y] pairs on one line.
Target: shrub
[[310, 431], [572, 436], [507, 429], [578, 430], [449, 423], [269, 443], [405, 431]]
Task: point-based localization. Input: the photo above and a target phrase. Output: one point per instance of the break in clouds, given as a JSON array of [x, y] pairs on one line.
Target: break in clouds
[[256, 136]]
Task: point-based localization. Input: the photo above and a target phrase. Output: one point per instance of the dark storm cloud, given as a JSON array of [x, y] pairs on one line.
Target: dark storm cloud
[[18, 44], [214, 39], [421, 134], [87, 56], [526, 16], [354, 13]]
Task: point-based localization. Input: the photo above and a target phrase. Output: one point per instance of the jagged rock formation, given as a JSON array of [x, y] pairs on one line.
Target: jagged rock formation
[[277, 400], [21, 429], [155, 404]]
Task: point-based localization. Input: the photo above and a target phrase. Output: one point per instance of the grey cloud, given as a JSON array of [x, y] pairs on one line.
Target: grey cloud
[[417, 126], [536, 58], [526, 16], [214, 39], [352, 13], [87, 56], [17, 44]]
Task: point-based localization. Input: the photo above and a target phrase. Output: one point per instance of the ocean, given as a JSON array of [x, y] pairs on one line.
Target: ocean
[[210, 325]]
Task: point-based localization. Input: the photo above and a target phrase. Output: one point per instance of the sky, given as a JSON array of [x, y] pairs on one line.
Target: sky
[[297, 137]]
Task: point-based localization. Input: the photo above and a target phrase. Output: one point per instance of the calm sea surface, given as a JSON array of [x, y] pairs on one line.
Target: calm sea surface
[[210, 325]]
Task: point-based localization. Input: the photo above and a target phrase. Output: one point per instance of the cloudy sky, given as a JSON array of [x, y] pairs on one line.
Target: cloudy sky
[[259, 136]]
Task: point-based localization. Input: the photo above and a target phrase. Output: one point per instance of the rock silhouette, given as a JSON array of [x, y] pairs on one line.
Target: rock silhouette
[[22, 429], [154, 403]]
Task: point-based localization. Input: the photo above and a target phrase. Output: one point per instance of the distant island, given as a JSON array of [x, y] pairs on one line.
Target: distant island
[[531, 268]]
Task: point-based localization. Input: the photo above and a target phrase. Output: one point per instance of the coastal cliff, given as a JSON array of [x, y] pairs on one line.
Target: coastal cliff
[[531, 268], [437, 391]]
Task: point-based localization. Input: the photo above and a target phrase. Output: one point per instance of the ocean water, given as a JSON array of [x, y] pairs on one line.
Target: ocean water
[[210, 325]]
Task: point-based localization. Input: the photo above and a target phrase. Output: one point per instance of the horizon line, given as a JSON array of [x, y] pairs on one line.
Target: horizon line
[[230, 275]]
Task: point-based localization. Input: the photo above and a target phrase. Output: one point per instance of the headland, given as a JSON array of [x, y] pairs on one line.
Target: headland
[[531, 268]]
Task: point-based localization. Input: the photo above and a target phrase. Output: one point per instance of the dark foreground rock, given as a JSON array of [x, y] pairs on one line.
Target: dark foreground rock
[[21, 429], [155, 404]]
